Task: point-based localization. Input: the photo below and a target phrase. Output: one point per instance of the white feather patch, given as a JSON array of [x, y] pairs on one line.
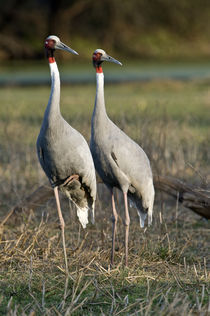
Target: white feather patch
[[92, 213], [82, 214], [142, 215], [149, 216]]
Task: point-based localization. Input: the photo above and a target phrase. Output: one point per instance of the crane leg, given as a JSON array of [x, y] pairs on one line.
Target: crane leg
[[62, 223], [127, 223], [114, 227]]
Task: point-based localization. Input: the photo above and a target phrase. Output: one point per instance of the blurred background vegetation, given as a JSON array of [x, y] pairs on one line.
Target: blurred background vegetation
[[158, 29]]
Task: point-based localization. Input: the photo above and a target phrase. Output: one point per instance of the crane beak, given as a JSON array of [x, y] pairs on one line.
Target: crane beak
[[110, 59], [63, 46]]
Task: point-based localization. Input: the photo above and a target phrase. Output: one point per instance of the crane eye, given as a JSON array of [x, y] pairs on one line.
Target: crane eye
[[97, 56], [94, 56], [50, 44]]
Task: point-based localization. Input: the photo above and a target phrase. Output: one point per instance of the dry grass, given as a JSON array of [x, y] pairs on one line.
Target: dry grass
[[167, 274], [168, 270]]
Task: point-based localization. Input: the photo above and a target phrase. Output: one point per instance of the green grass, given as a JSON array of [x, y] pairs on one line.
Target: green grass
[[181, 102], [168, 263], [173, 115]]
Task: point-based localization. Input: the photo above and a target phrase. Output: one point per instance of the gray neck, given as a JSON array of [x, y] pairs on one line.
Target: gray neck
[[99, 113], [52, 111]]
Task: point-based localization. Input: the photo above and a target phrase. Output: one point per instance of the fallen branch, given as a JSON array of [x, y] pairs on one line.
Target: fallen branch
[[32, 201], [195, 199]]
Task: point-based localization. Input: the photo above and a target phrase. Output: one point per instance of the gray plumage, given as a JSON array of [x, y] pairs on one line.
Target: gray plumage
[[64, 154], [119, 161], [122, 163]]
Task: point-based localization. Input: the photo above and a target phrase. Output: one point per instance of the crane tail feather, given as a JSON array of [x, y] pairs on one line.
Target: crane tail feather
[[82, 214], [150, 215], [142, 214], [142, 217], [92, 213]]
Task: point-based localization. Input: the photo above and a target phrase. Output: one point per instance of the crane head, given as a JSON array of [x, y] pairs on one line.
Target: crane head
[[53, 42], [100, 55]]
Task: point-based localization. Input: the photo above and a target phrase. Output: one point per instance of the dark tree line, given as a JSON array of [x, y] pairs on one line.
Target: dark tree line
[[131, 26]]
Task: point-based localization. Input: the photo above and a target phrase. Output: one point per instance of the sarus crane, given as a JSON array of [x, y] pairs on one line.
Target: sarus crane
[[63, 152], [119, 161]]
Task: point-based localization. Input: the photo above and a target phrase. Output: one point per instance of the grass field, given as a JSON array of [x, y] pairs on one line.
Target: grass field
[[168, 262]]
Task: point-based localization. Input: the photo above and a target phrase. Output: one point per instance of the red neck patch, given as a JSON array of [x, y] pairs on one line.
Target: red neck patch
[[51, 60], [99, 70]]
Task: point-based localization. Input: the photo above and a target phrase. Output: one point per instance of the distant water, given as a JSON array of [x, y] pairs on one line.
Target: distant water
[[29, 74]]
